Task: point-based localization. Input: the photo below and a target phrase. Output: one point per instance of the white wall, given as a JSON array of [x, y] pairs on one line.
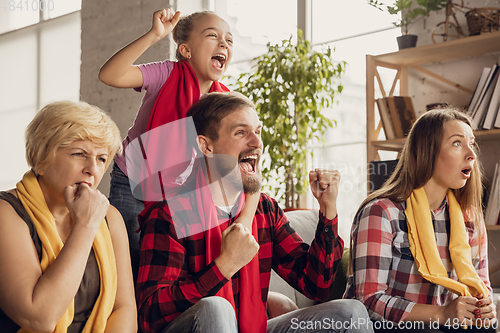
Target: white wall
[[107, 26]]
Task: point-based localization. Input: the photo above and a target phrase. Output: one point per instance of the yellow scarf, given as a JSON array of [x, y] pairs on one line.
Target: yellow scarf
[[424, 249], [31, 196]]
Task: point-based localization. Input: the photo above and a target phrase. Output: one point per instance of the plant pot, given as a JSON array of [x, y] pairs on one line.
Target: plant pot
[[406, 41]]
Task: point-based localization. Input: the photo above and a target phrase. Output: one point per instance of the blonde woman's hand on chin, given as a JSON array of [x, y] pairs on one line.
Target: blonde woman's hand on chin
[[87, 206]]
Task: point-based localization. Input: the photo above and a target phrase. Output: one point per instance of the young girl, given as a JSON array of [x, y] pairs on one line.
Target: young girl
[[421, 238], [204, 51]]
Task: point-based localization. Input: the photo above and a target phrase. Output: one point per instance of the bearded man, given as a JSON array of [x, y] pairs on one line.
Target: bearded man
[[207, 252]]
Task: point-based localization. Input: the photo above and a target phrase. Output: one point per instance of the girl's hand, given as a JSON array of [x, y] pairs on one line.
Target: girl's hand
[[164, 22]]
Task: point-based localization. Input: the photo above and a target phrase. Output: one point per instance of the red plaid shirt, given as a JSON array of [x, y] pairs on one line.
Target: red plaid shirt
[[177, 276]]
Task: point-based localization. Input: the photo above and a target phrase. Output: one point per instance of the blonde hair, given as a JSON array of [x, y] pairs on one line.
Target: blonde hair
[[59, 124]]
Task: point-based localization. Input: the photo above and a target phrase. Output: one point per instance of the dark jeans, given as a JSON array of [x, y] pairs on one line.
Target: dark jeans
[[120, 196]]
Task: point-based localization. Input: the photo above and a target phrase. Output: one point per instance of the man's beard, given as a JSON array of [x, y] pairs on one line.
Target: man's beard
[[229, 169]]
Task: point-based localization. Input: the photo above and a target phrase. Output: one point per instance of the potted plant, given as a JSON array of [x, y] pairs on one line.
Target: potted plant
[[420, 8], [402, 7], [290, 85]]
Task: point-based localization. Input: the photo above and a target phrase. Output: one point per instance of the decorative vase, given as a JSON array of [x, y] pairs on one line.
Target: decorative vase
[[406, 41]]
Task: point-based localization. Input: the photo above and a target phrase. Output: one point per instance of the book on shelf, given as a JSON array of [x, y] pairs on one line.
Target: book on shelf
[[403, 114], [497, 120], [493, 207], [385, 116], [479, 90], [492, 112], [495, 104], [480, 115]]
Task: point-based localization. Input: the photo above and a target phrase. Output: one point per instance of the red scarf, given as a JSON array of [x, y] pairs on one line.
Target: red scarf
[[166, 151], [168, 154], [251, 313], [177, 95]]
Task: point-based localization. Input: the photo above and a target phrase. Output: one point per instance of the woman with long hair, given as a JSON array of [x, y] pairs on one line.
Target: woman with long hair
[[419, 244]]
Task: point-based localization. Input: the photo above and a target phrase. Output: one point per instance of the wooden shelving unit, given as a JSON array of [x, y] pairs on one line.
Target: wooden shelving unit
[[412, 59], [404, 60]]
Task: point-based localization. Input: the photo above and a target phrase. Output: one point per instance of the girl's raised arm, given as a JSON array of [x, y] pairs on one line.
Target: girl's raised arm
[[119, 71], [248, 212]]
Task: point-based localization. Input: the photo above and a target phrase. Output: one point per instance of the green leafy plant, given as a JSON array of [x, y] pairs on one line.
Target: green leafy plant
[[289, 86], [420, 8]]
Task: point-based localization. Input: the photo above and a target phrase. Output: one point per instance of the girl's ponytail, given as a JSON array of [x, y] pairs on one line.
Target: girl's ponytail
[[182, 31]]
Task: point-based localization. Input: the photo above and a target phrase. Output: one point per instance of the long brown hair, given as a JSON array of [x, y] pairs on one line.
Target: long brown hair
[[418, 158], [417, 161]]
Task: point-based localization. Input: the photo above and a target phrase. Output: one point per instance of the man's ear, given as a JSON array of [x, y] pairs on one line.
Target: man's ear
[[185, 51], [205, 145]]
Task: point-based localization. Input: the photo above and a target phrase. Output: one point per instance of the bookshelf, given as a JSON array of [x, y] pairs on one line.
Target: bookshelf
[[413, 59]]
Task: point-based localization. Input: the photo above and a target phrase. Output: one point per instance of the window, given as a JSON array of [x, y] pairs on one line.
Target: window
[[354, 29], [40, 63]]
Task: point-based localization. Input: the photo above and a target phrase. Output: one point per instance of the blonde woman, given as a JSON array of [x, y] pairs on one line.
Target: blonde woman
[[63, 248], [418, 245]]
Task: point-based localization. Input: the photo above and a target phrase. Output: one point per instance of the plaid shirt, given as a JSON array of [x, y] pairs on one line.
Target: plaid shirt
[[386, 278], [177, 276]]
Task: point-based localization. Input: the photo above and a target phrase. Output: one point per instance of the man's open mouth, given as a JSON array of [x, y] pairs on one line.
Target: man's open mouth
[[248, 163], [219, 60]]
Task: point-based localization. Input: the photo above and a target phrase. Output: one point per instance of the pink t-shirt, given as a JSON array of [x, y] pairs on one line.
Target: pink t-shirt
[[154, 75]]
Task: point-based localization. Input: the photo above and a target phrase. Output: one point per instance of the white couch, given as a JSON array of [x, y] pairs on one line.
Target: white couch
[[304, 223]]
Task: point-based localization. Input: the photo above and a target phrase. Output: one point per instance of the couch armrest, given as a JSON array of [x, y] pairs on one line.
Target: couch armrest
[[304, 223]]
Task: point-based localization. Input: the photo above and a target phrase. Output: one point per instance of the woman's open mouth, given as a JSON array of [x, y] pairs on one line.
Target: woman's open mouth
[[466, 172]]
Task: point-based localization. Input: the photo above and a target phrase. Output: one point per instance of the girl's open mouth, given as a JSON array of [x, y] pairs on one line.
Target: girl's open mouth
[[219, 60]]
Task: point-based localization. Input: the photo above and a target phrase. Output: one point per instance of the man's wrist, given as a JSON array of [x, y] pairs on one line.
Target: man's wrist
[[328, 211], [223, 268]]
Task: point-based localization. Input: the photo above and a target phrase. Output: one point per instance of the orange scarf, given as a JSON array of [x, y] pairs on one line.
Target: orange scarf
[[424, 248], [31, 196]]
